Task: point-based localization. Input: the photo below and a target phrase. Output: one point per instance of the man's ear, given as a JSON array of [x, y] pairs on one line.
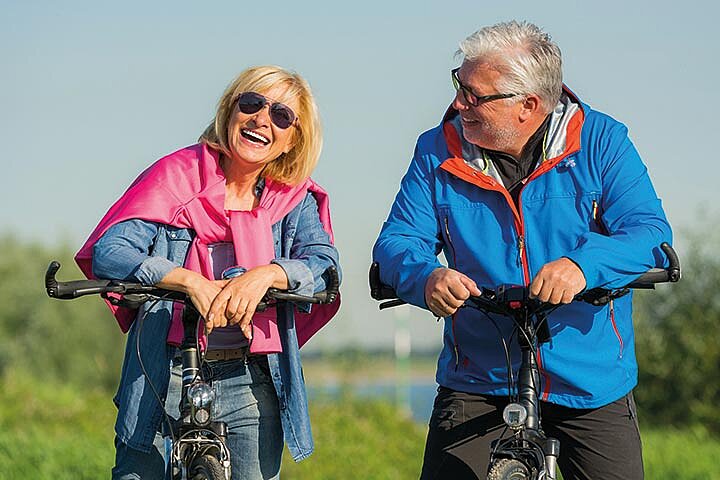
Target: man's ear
[[531, 105]]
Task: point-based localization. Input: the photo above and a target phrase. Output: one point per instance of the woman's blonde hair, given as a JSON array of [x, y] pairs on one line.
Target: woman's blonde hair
[[295, 166]]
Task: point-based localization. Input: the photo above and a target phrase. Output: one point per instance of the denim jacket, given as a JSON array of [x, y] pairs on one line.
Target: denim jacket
[[150, 250]]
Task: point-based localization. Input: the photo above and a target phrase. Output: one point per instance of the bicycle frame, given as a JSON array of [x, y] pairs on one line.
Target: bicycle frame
[[198, 441], [529, 453], [195, 433], [528, 444]]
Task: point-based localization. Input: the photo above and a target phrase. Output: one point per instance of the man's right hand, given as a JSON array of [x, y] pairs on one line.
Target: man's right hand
[[447, 289]]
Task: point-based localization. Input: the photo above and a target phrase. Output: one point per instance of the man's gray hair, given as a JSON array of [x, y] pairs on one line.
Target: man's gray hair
[[527, 59]]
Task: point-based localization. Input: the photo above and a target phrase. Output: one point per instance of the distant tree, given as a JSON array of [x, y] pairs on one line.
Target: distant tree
[[75, 341], [678, 339]]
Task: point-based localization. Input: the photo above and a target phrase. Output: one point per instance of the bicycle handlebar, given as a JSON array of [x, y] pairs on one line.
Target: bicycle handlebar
[[596, 296], [660, 275], [138, 293]]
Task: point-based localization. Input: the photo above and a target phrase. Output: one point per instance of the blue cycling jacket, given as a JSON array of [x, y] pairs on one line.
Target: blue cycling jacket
[[589, 199]]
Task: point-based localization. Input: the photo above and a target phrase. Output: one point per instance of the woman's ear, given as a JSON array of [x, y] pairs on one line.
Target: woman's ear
[[291, 144]]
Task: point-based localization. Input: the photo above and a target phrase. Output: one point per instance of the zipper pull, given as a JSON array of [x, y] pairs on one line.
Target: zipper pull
[[521, 247]]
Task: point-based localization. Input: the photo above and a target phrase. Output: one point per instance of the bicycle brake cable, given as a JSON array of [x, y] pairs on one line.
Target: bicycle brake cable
[[508, 361], [141, 321]]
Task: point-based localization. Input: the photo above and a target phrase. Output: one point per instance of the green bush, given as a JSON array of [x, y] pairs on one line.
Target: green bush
[[74, 341], [677, 332]]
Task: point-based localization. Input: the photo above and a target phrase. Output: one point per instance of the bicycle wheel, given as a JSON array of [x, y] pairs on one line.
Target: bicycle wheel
[[508, 469], [206, 467]]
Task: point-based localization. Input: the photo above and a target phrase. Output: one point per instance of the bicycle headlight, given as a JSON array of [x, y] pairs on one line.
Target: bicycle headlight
[[201, 397], [515, 415]]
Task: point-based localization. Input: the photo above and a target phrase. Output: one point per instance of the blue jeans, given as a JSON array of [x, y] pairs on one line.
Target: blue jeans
[[246, 401]]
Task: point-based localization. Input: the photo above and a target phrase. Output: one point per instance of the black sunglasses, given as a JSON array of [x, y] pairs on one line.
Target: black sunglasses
[[470, 96], [280, 114]]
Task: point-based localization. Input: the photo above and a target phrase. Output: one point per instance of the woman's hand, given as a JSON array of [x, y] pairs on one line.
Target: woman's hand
[[235, 304], [201, 291]]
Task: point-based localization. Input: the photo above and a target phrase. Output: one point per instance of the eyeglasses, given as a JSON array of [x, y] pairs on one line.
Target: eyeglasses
[[280, 114], [471, 97]]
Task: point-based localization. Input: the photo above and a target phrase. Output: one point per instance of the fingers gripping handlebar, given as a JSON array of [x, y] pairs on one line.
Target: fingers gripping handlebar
[[596, 296]]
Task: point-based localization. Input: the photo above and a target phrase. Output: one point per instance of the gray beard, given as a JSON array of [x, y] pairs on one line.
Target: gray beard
[[503, 139]]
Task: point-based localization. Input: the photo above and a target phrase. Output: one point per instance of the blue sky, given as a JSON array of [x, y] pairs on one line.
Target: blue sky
[[93, 92]]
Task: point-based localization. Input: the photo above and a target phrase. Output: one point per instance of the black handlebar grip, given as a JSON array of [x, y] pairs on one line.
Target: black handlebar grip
[[378, 290], [70, 290], [652, 276], [660, 275], [50, 281], [674, 268], [332, 286]]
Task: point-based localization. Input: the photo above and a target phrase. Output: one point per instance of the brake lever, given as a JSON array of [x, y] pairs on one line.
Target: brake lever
[[130, 300]]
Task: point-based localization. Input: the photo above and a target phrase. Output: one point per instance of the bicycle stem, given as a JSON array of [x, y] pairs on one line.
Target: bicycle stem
[[529, 381], [190, 363]]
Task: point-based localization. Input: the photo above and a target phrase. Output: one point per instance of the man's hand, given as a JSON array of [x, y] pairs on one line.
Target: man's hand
[[558, 282], [446, 290]]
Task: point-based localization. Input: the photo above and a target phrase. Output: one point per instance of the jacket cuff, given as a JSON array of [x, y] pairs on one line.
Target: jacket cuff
[[153, 269], [417, 295], [586, 267], [300, 279]]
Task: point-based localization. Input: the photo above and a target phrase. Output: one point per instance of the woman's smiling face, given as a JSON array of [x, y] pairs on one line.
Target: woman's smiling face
[[254, 139]]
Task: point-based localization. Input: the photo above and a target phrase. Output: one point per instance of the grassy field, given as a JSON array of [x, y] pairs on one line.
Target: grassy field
[[56, 432]]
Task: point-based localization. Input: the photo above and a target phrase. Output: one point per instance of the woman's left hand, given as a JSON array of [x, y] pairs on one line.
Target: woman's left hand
[[237, 301]]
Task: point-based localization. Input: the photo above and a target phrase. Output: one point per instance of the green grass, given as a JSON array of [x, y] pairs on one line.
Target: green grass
[[690, 454], [359, 439], [53, 431]]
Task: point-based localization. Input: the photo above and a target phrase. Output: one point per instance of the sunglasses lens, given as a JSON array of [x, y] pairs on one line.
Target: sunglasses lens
[[250, 102], [281, 115]]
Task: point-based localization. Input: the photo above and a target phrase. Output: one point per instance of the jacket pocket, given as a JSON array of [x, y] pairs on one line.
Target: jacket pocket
[[177, 241], [596, 221], [448, 239]]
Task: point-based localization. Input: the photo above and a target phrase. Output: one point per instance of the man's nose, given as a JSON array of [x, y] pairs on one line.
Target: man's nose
[[459, 102]]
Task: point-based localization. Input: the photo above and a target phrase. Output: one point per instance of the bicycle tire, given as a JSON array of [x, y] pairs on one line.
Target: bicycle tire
[[509, 469], [206, 467]]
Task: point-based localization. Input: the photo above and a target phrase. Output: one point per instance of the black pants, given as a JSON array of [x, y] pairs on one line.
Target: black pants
[[600, 443]]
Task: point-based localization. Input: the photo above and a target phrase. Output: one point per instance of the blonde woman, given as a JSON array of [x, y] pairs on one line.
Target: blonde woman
[[240, 200]]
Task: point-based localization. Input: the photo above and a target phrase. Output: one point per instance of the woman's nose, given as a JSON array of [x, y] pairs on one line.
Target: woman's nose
[[262, 117]]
